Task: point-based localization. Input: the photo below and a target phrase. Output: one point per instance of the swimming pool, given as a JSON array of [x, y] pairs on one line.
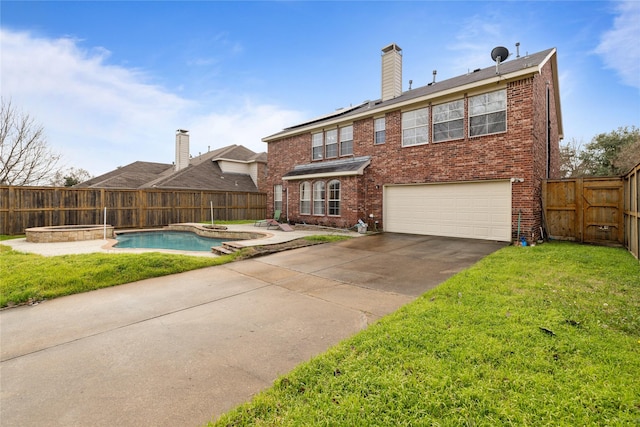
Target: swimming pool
[[177, 240]]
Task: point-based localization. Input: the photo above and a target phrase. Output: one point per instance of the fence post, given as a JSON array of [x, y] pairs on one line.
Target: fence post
[[141, 208], [580, 209], [12, 217]]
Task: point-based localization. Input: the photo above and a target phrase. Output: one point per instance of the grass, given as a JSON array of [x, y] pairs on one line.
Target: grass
[[30, 277], [544, 335]]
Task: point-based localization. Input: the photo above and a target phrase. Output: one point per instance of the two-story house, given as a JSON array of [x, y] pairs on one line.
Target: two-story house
[[462, 157]]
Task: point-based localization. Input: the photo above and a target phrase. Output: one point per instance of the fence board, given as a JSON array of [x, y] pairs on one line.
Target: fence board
[[631, 217], [585, 209], [25, 207]]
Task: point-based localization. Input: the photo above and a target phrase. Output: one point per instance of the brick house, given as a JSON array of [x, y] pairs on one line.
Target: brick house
[[462, 157]]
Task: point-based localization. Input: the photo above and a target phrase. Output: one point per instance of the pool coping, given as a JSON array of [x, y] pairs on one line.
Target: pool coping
[[106, 246]]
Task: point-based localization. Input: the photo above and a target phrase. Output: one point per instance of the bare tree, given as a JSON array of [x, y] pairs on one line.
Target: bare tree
[[70, 177], [571, 165], [25, 158]]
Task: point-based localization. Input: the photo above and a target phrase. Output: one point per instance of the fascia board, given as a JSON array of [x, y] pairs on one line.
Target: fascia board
[[323, 175]]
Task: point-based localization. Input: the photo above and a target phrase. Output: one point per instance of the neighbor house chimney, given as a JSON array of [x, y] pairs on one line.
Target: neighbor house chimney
[[391, 71], [182, 149]]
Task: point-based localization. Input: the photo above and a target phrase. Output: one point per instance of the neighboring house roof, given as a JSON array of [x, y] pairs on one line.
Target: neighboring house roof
[[133, 175], [343, 167], [515, 68], [203, 173], [235, 153]]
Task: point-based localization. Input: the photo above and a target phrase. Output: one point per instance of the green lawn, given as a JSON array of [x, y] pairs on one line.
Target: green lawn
[[29, 277], [544, 335]]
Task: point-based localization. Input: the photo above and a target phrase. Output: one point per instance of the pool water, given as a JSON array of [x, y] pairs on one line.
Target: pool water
[[178, 240]]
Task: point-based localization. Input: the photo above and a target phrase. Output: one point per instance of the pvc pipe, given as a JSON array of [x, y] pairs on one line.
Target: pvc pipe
[[105, 223]]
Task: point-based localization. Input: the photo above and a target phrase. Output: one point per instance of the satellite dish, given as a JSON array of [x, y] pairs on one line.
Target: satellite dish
[[499, 52]]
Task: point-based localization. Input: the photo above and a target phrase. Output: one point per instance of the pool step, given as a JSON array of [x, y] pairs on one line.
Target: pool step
[[227, 248]]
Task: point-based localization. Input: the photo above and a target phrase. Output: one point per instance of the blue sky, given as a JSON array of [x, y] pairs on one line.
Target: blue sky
[[111, 81]]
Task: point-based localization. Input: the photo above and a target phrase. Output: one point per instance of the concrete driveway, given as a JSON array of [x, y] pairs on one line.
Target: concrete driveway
[[181, 349]]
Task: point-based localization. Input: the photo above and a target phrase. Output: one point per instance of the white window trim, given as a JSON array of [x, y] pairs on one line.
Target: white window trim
[[340, 140], [487, 113], [339, 199], [433, 127], [324, 199], [425, 126], [315, 145], [308, 199], [382, 120], [277, 197], [335, 143]]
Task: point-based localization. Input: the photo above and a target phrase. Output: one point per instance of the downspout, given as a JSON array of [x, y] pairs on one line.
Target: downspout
[[548, 135]]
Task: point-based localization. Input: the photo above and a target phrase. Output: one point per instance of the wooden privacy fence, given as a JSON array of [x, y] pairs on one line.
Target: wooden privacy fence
[[25, 207], [631, 205], [594, 210]]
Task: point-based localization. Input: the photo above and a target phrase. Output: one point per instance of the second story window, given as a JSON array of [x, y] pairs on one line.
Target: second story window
[[346, 141], [331, 143], [316, 146], [379, 128], [415, 127], [448, 121], [488, 113]]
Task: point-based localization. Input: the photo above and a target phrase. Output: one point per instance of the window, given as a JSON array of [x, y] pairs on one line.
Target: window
[[331, 143], [415, 127], [305, 198], [316, 146], [334, 198], [346, 141], [379, 128], [277, 197], [448, 121], [488, 113], [318, 198]]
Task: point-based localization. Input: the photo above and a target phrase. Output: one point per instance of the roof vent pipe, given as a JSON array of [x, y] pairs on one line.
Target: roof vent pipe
[[517, 49], [434, 76]]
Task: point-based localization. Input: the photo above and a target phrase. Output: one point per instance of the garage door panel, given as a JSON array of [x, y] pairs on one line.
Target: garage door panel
[[480, 210]]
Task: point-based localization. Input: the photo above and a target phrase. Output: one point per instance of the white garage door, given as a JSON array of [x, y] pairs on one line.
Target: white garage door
[[477, 210]]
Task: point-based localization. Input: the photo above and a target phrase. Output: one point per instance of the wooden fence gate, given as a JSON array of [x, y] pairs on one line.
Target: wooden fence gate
[[588, 210]]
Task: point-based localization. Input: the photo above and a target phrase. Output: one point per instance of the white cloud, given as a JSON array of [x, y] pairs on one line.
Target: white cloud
[[244, 125], [474, 41], [619, 46], [100, 116]]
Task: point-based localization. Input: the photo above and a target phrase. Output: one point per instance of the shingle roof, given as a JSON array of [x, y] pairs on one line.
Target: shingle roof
[[206, 176], [341, 167], [203, 173], [132, 175], [510, 67]]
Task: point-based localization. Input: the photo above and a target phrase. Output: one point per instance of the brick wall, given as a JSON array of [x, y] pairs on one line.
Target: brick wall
[[519, 152]]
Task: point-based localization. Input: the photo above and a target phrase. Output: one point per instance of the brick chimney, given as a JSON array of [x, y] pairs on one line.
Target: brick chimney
[[391, 71], [182, 149]]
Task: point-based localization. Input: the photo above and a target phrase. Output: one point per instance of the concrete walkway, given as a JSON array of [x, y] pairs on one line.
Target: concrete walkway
[[181, 349]]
